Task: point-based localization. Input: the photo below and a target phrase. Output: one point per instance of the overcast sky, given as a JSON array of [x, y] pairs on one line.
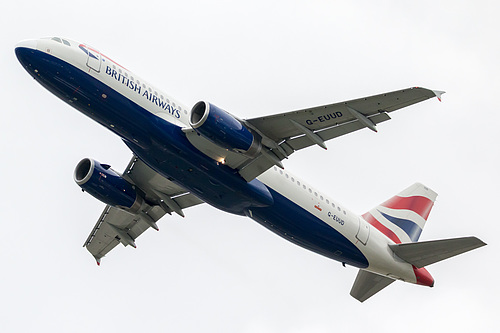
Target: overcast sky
[[214, 272]]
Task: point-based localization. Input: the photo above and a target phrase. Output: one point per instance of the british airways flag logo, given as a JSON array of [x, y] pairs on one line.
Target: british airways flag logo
[[401, 218]]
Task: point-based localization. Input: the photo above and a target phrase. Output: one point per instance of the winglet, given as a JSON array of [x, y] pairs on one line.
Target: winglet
[[438, 94]]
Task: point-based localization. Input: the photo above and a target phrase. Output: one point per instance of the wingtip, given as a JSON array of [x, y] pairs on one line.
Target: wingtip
[[438, 94]]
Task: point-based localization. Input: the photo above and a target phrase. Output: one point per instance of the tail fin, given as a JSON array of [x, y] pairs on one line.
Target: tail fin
[[402, 218]]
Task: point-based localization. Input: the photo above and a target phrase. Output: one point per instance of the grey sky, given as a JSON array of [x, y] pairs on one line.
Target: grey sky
[[214, 272]]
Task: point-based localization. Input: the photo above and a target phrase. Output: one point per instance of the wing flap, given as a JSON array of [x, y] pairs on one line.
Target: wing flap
[[256, 167], [368, 284], [422, 254]]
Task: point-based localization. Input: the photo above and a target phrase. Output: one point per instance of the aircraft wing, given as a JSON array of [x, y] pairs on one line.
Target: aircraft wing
[[284, 133], [118, 226], [327, 121]]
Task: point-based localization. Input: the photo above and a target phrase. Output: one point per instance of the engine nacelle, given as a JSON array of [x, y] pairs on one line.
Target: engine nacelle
[[103, 183], [224, 129]]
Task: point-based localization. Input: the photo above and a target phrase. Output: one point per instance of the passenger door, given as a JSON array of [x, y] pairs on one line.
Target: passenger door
[[94, 59]]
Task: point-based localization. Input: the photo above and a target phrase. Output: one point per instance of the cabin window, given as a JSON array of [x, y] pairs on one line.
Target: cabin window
[[293, 180], [281, 172], [315, 194], [304, 187], [327, 201], [333, 205], [310, 191], [298, 183], [275, 169], [286, 175], [321, 197]]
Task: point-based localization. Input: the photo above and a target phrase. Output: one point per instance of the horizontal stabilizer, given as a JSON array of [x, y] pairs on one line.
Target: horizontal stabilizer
[[421, 254], [368, 284]]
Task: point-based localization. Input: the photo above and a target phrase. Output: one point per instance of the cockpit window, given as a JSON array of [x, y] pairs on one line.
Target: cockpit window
[[63, 41]]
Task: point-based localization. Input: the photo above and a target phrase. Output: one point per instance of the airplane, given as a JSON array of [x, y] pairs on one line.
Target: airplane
[[184, 157]]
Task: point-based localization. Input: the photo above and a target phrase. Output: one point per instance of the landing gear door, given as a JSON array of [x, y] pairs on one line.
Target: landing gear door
[[363, 231], [94, 59]]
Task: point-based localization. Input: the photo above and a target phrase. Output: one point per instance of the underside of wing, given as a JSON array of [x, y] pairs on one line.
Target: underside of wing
[[282, 134], [279, 127], [161, 196]]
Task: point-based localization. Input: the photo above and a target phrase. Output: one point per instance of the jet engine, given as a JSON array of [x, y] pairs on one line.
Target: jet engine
[[224, 129], [103, 183]]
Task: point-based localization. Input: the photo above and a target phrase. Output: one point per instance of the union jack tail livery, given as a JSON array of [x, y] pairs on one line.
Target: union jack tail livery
[[402, 218]]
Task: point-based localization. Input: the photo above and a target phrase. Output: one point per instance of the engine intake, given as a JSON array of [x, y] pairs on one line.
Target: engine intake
[[224, 129], [106, 185]]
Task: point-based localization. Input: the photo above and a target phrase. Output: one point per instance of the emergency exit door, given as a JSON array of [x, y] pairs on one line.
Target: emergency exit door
[[363, 231]]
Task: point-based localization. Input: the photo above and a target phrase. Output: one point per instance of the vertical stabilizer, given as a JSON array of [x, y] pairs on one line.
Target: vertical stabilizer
[[402, 218]]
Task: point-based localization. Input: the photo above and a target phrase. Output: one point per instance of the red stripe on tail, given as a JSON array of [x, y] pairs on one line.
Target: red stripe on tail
[[420, 205], [382, 228]]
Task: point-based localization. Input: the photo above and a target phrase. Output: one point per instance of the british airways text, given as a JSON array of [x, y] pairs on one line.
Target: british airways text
[[144, 92]]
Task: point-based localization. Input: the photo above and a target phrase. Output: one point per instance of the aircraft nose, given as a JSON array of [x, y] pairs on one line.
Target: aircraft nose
[[25, 51], [27, 44]]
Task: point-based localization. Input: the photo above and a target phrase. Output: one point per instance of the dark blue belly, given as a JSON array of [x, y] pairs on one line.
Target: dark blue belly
[[298, 226]]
